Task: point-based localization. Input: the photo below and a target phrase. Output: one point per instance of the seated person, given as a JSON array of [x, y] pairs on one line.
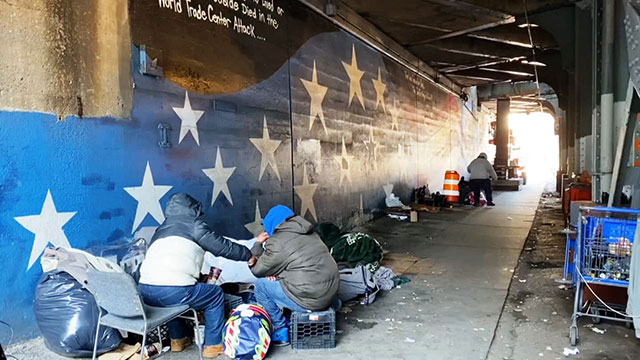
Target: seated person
[[169, 272], [295, 268]]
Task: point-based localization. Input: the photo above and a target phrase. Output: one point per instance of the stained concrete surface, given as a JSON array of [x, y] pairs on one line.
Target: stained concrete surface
[[66, 57], [537, 314], [461, 263]]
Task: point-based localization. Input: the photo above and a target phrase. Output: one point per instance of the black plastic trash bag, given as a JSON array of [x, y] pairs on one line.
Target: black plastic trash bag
[[67, 316]]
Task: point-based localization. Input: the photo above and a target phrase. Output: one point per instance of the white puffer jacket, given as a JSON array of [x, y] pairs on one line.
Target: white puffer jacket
[[178, 245], [172, 261]]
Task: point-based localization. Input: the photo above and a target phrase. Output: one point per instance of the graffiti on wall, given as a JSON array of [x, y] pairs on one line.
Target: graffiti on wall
[[302, 114]]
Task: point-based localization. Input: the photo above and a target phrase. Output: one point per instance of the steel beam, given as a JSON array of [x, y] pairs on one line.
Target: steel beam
[[466, 31], [496, 75], [479, 79], [465, 52], [472, 8], [510, 72], [488, 36], [513, 89], [451, 69], [476, 46], [411, 24], [606, 97], [503, 41]]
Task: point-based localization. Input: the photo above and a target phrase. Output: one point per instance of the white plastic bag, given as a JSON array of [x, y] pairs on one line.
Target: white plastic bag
[[393, 201], [232, 271]]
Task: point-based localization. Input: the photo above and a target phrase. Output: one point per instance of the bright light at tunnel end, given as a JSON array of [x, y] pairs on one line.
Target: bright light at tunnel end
[[536, 145]]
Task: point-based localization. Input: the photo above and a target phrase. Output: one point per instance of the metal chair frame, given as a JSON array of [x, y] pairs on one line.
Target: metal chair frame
[[194, 318], [144, 319]]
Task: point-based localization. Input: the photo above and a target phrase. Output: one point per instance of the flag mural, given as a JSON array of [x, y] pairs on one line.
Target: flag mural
[[282, 110]]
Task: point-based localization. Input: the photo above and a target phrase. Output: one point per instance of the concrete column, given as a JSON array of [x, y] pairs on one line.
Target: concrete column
[[606, 97], [502, 135], [562, 145]]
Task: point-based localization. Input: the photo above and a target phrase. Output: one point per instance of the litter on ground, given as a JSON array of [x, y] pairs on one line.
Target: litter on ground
[[569, 351]]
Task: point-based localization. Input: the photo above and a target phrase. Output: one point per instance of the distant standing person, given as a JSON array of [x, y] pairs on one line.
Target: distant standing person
[[481, 173]]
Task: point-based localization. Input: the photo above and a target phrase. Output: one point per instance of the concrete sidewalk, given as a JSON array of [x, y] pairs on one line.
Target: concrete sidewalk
[[461, 262]]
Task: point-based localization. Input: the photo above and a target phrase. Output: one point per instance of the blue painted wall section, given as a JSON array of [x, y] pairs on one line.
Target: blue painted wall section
[[86, 164]]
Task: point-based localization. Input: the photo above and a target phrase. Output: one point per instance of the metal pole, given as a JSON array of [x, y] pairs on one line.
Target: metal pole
[[595, 114], [606, 97]]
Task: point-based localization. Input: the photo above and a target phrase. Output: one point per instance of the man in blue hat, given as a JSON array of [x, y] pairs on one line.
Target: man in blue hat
[[295, 268]]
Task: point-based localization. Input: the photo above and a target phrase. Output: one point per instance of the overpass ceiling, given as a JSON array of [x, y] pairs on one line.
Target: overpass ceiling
[[473, 42]]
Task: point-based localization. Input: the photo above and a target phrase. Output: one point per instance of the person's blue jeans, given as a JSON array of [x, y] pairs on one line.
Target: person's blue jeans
[[272, 297], [200, 296]]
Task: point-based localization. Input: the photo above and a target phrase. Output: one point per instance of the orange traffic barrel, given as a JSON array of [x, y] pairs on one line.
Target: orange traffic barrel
[[451, 190]]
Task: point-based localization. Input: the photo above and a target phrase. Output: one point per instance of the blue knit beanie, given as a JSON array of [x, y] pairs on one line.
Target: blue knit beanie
[[276, 216]]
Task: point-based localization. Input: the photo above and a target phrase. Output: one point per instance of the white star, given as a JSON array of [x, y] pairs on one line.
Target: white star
[[305, 192], [317, 93], [344, 161], [267, 148], [394, 111], [148, 196], [256, 226], [388, 189], [372, 146], [47, 227], [219, 175], [355, 75], [189, 118], [380, 89]]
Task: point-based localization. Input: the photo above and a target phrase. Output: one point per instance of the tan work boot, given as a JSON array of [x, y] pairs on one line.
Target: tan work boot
[[212, 351], [180, 344]]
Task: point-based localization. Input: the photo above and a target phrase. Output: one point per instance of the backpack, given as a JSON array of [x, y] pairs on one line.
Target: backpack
[[355, 282], [247, 333]]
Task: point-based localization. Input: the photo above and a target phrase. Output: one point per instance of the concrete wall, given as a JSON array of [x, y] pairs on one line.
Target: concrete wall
[[91, 180], [65, 57]]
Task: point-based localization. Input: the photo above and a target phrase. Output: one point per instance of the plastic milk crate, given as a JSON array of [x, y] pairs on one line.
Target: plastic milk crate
[[231, 302], [313, 330]]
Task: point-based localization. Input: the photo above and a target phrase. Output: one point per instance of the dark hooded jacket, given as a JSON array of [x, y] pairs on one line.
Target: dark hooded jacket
[[297, 256], [177, 247]]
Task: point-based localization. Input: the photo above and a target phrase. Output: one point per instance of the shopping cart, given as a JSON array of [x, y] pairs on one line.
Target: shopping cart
[[602, 258]]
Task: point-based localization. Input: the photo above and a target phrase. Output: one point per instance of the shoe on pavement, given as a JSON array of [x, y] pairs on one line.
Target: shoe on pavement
[[179, 345], [491, 204], [212, 351], [281, 337]]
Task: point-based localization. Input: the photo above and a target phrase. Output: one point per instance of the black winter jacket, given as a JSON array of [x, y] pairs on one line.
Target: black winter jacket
[[184, 218]]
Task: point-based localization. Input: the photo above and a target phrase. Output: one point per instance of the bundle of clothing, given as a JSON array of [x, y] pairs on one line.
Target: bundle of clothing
[[351, 249], [358, 256]]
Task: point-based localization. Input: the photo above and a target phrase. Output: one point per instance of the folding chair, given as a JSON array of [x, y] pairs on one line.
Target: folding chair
[[118, 295]]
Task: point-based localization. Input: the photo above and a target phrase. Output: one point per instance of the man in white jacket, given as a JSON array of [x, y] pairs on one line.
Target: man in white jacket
[[171, 268], [481, 172]]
